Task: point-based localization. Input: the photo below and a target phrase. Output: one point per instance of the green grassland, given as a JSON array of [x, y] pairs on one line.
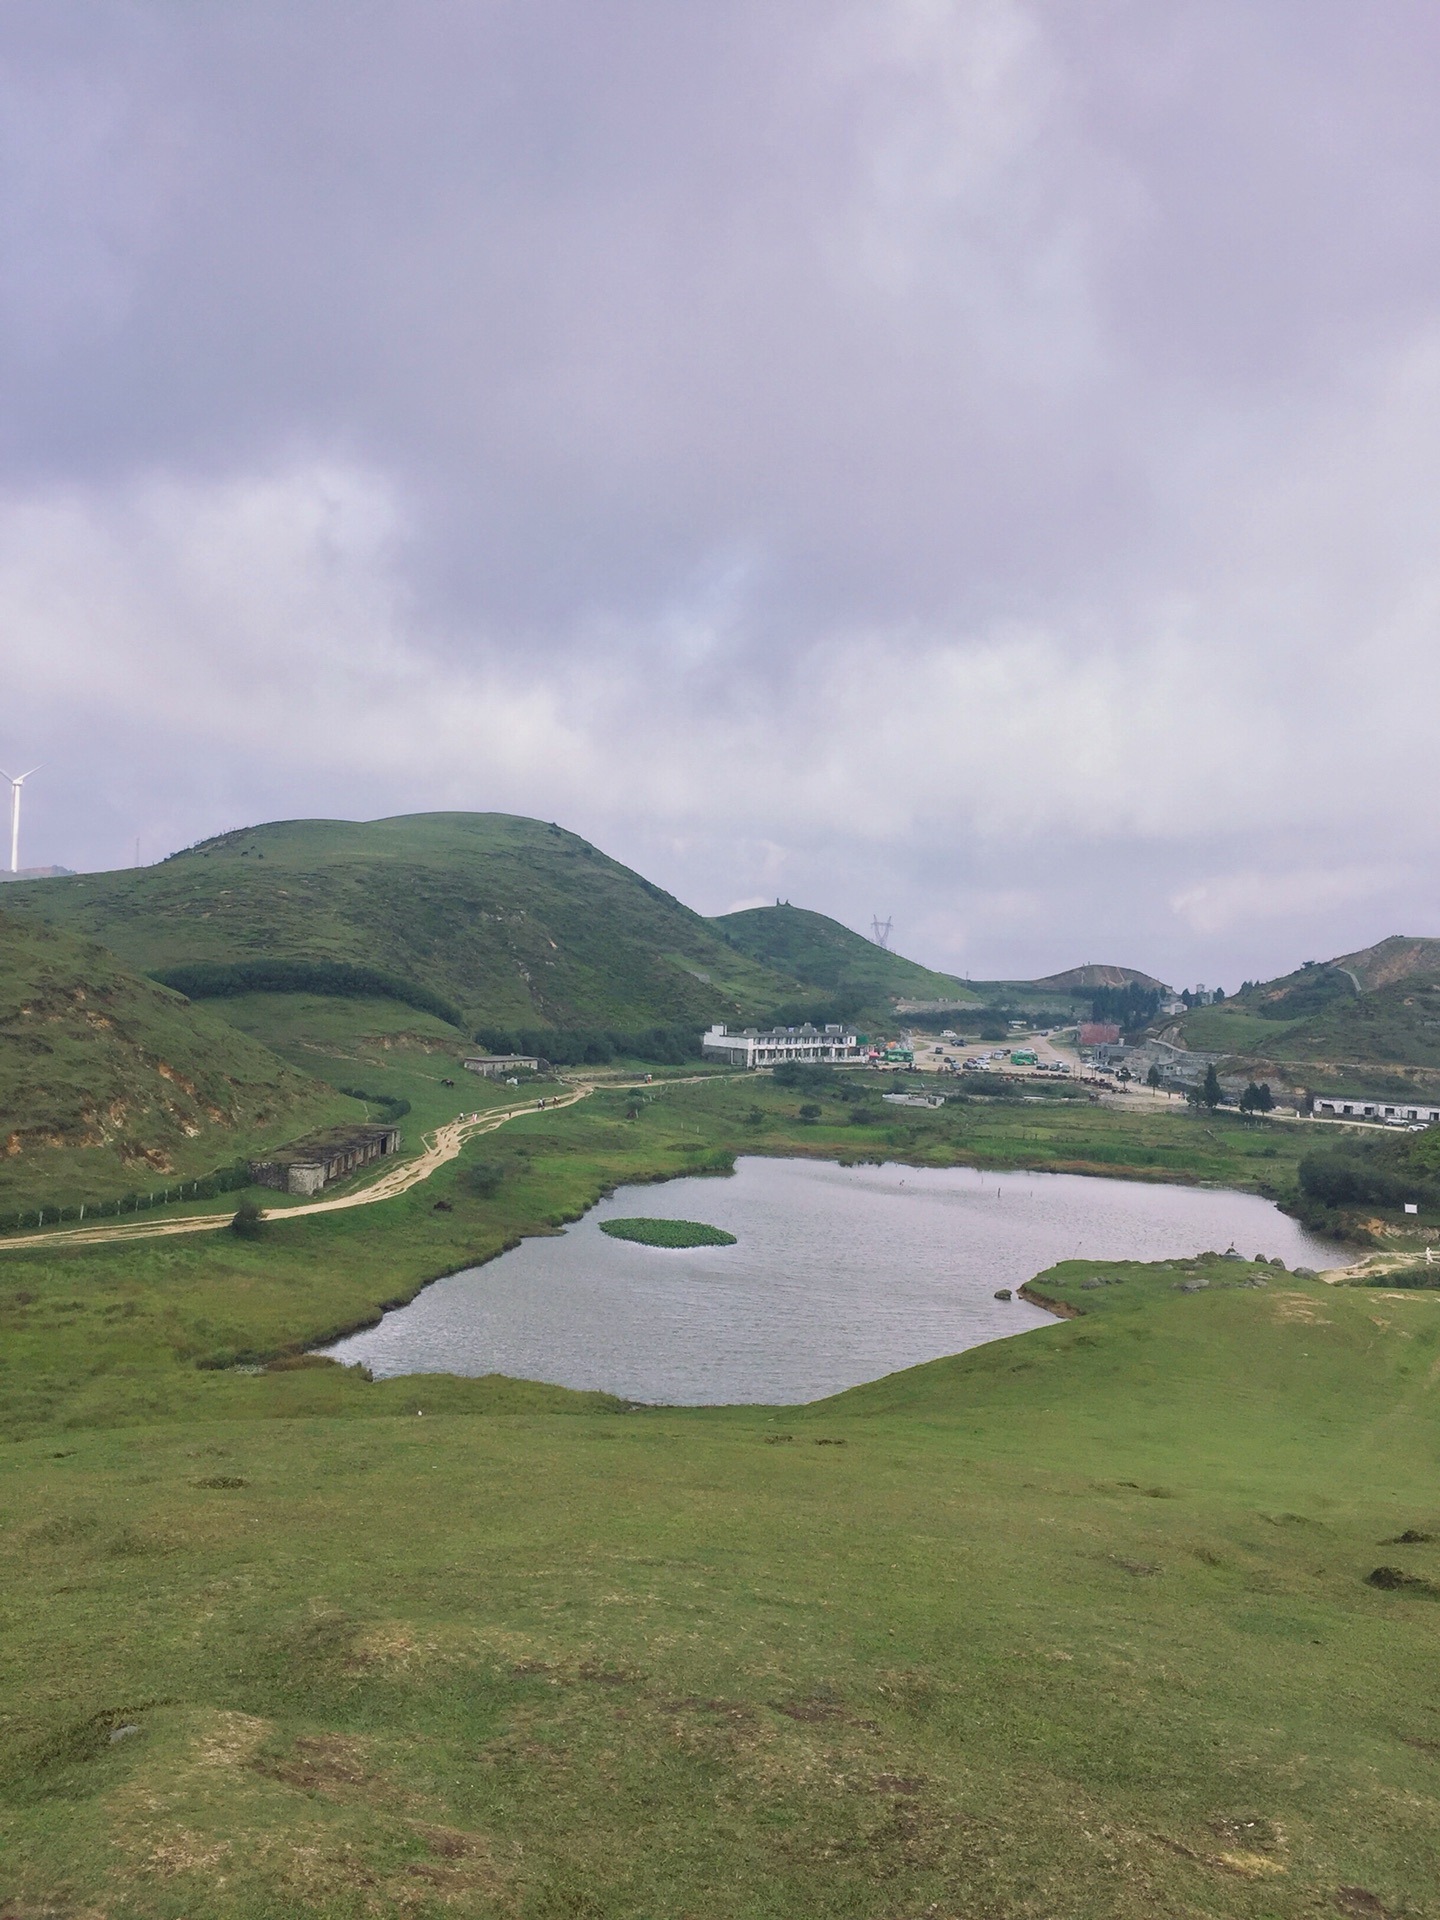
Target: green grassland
[[119, 1332], [1234, 1028], [297, 1024], [1074, 1624], [1058, 1134], [823, 953], [109, 1082], [513, 922], [376, 1045]]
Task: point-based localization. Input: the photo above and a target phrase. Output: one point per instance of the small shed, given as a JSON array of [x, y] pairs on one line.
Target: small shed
[[496, 1066], [305, 1166]]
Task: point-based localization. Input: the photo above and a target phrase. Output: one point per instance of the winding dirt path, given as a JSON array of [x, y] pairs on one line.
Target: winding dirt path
[[443, 1145]]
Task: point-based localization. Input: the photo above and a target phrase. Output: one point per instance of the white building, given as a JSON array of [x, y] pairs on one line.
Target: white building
[[1340, 1109], [770, 1046]]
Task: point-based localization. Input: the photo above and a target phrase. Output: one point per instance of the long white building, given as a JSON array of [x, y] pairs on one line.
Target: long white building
[[1340, 1108], [767, 1047]]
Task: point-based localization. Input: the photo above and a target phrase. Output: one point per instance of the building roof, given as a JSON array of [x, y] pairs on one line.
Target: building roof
[[807, 1032], [335, 1140]]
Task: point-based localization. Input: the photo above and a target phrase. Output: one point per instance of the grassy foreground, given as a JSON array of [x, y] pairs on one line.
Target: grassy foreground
[[1076, 1624], [1073, 1624]]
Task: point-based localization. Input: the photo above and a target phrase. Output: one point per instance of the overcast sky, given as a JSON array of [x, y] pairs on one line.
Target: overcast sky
[[966, 460]]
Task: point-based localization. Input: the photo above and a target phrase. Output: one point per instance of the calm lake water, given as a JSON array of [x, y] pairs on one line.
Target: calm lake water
[[840, 1274]]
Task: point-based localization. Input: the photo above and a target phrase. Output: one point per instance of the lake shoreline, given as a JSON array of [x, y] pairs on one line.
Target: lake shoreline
[[876, 1304]]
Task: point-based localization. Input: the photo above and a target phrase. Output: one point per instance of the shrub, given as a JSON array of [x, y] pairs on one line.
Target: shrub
[[395, 1107], [481, 1178], [249, 1222], [1343, 1177], [803, 1076]]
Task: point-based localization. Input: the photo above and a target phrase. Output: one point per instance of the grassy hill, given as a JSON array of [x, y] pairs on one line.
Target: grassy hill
[[488, 918], [1367, 1020], [1392, 962], [1078, 980], [823, 954], [110, 1083]]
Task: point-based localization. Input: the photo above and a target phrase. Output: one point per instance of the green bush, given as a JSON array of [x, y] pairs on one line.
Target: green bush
[[804, 1076], [481, 1178], [1355, 1175], [249, 1222], [395, 1107]]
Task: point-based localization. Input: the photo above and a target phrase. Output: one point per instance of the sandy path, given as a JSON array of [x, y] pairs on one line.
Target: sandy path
[[436, 1149]]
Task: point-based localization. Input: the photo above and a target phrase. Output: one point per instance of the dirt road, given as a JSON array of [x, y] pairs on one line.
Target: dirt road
[[436, 1149]]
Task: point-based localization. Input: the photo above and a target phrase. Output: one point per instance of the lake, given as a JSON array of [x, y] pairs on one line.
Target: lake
[[840, 1274]]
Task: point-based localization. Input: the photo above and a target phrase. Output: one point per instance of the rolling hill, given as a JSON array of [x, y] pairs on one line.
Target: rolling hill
[[1367, 1020], [824, 954], [475, 918], [109, 1083], [1080, 980]]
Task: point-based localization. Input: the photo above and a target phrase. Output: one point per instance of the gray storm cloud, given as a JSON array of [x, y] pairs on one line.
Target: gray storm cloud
[[977, 461]]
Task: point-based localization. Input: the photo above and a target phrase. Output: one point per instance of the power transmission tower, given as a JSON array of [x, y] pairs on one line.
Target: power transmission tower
[[880, 931]]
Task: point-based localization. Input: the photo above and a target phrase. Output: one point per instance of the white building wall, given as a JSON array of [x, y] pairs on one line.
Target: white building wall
[[1377, 1110], [768, 1049]]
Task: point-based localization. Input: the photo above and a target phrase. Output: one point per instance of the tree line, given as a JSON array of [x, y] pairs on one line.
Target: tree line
[[217, 980], [665, 1046]]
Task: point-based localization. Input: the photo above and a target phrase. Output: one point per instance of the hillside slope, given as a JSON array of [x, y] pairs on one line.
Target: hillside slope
[[1371, 1017], [824, 954], [1393, 961], [108, 1082], [509, 921], [1076, 980]]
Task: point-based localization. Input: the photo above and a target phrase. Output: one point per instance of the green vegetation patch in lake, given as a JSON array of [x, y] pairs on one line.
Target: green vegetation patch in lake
[[668, 1233]]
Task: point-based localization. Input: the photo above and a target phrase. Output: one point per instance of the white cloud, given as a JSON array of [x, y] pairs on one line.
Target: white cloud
[[912, 455], [1233, 901]]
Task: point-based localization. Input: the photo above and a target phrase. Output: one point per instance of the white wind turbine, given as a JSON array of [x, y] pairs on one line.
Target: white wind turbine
[[17, 781]]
